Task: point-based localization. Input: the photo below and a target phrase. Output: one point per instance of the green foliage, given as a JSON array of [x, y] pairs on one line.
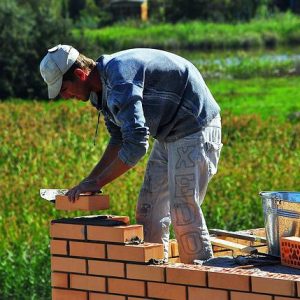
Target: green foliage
[[245, 64], [278, 30], [92, 16], [27, 30], [213, 10], [269, 97], [50, 144]]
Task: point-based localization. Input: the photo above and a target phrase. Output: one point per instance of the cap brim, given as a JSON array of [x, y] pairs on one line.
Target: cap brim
[[54, 89]]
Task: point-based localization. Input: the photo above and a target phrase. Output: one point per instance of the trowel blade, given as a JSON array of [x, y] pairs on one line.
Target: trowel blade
[[50, 194]]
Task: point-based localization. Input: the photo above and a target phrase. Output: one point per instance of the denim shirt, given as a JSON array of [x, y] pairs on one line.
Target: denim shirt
[[151, 92]]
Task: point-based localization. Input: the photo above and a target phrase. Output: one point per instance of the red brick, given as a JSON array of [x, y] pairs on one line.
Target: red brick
[[124, 219], [90, 283], [185, 275], [67, 231], [166, 291], [66, 264], [204, 294], [98, 296], [126, 287], [289, 251], [151, 273], [59, 280], [60, 294], [134, 298], [118, 234], [94, 202], [273, 286], [106, 268], [137, 253], [84, 249], [58, 247], [249, 296], [284, 298], [228, 281]]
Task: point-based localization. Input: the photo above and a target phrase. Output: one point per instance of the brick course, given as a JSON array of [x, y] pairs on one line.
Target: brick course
[[91, 261]]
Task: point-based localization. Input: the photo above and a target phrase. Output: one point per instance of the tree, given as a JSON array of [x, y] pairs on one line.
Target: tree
[[27, 30]]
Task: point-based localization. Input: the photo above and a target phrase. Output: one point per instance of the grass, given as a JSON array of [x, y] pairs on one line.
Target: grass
[[266, 97], [48, 145], [281, 29]]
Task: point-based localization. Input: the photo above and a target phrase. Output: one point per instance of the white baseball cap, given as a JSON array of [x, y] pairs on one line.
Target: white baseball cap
[[55, 64]]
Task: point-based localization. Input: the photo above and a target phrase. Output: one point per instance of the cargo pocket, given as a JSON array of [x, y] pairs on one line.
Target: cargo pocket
[[213, 152]]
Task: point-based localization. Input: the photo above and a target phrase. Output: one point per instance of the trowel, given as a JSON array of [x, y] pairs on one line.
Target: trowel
[[50, 194]]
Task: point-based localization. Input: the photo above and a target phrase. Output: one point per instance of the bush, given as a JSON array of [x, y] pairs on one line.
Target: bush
[[28, 29]]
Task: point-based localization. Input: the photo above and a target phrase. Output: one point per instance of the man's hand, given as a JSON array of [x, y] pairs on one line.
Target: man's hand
[[87, 186]]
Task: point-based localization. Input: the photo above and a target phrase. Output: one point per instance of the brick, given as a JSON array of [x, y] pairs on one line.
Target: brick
[[166, 291], [273, 286], [59, 280], [84, 249], [204, 294], [134, 298], [90, 283], [169, 249], [249, 296], [174, 260], [290, 251], [117, 234], [67, 231], [66, 264], [58, 247], [229, 281], [98, 296], [126, 287], [137, 253], [60, 294], [106, 268], [151, 273], [94, 202], [174, 247], [185, 275], [124, 219], [284, 298]]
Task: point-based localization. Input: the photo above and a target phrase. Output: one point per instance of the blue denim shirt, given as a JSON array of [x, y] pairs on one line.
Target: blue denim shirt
[[151, 92]]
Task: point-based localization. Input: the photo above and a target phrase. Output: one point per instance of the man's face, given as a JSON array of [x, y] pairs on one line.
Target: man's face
[[76, 89]]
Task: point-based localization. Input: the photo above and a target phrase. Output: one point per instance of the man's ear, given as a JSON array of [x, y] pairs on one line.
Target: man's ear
[[80, 74]]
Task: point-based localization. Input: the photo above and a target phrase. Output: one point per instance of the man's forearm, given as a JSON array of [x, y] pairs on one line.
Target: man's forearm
[[110, 154], [111, 172]]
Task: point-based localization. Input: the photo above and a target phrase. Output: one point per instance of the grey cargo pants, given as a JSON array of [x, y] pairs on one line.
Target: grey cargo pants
[[174, 187]]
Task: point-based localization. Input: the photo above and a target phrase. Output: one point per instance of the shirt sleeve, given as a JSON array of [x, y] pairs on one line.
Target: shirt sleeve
[[125, 103], [114, 131]]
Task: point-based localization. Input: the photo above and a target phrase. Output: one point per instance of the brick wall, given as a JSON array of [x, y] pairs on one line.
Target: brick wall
[[102, 258]]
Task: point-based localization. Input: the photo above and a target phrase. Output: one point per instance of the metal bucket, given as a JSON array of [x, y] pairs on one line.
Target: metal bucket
[[282, 217]]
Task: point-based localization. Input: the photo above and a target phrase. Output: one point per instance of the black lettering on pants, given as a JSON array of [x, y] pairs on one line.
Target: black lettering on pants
[[185, 185]]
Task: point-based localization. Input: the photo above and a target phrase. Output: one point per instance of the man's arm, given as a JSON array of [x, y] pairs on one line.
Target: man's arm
[[108, 156], [109, 168]]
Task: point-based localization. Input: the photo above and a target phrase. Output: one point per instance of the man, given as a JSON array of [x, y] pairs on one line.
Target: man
[[144, 92]]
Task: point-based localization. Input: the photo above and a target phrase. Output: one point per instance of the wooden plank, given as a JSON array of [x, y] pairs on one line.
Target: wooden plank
[[233, 246], [238, 235]]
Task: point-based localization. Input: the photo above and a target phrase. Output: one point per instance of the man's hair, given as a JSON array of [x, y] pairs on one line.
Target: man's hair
[[81, 62]]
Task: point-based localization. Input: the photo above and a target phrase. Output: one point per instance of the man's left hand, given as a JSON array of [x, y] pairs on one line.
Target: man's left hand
[[87, 186]]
